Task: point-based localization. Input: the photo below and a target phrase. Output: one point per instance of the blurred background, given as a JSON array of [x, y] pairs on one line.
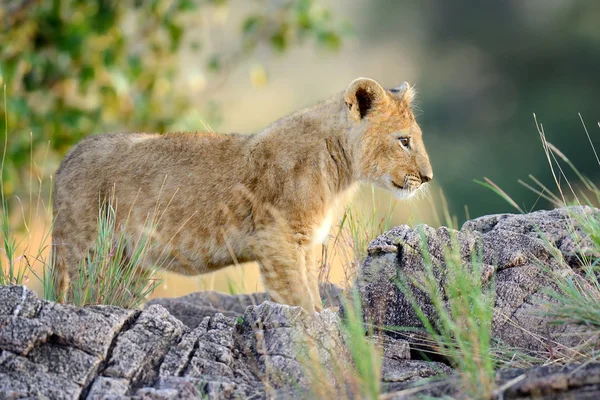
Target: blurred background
[[71, 68]]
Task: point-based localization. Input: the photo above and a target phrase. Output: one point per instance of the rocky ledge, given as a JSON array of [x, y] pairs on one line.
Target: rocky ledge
[[210, 345], [58, 351]]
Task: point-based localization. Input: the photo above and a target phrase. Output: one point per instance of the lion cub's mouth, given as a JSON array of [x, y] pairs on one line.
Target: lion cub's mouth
[[397, 186], [411, 184]]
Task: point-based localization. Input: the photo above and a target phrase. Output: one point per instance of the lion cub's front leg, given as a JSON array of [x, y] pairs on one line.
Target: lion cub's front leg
[[286, 265], [286, 258]]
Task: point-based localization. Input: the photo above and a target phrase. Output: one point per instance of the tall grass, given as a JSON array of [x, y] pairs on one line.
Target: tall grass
[[360, 375], [463, 305], [365, 357], [353, 234], [352, 375], [577, 298], [19, 252], [117, 271], [462, 330], [9, 272]]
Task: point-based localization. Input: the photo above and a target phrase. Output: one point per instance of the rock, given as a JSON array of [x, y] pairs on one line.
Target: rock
[[20, 335], [513, 247], [193, 308], [20, 377], [394, 371], [138, 351], [548, 382], [284, 340], [108, 388], [258, 349], [57, 351]]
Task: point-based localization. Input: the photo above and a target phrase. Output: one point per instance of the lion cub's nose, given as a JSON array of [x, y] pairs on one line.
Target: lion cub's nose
[[426, 178]]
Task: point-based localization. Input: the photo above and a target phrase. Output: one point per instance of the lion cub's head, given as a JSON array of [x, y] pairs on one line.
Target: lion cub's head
[[390, 146]]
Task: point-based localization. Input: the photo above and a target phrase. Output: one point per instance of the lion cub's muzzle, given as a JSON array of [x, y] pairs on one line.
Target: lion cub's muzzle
[[410, 186], [412, 182]]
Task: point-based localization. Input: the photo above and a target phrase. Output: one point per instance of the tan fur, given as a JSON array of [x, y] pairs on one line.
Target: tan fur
[[221, 199]]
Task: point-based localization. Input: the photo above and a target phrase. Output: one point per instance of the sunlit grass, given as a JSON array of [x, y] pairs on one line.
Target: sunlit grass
[[462, 325], [577, 298], [352, 375], [10, 273], [115, 272], [353, 234], [20, 252], [365, 357]]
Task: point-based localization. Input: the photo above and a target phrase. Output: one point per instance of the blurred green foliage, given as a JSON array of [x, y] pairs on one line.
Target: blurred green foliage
[[482, 69], [76, 67]]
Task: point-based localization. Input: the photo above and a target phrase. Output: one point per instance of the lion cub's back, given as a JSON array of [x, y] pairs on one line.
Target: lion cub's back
[[143, 165]]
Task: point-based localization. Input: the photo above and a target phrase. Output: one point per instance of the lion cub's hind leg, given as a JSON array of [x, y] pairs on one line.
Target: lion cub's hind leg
[[67, 258]]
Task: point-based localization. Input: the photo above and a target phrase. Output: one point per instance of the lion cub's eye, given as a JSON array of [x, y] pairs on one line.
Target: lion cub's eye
[[404, 141]]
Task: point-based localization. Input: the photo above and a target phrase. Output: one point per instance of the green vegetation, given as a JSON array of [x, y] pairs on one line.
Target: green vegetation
[[365, 357], [354, 375], [9, 272], [116, 272], [17, 253], [358, 226], [461, 330], [359, 377], [577, 299]]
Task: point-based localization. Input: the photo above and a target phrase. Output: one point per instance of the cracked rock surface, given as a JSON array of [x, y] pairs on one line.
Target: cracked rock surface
[[515, 252], [194, 307], [57, 351]]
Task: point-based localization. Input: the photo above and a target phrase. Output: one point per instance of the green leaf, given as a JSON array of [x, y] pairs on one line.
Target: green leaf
[[175, 34], [214, 64], [186, 5], [331, 40], [251, 24], [279, 41]]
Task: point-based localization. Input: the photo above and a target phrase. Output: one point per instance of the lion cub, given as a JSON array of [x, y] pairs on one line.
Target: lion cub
[[270, 196]]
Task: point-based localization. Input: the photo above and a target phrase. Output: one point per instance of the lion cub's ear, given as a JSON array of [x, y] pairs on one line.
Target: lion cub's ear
[[362, 96], [404, 92]]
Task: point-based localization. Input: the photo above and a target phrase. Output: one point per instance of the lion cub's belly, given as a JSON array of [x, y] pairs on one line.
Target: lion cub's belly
[[194, 256]]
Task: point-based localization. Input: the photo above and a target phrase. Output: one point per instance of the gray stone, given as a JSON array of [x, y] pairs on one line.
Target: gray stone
[[513, 247], [20, 378], [108, 388], [269, 350], [194, 307], [109, 353], [389, 347], [67, 362], [20, 335], [19, 301], [411, 370], [90, 329], [139, 351], [171, 389]]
